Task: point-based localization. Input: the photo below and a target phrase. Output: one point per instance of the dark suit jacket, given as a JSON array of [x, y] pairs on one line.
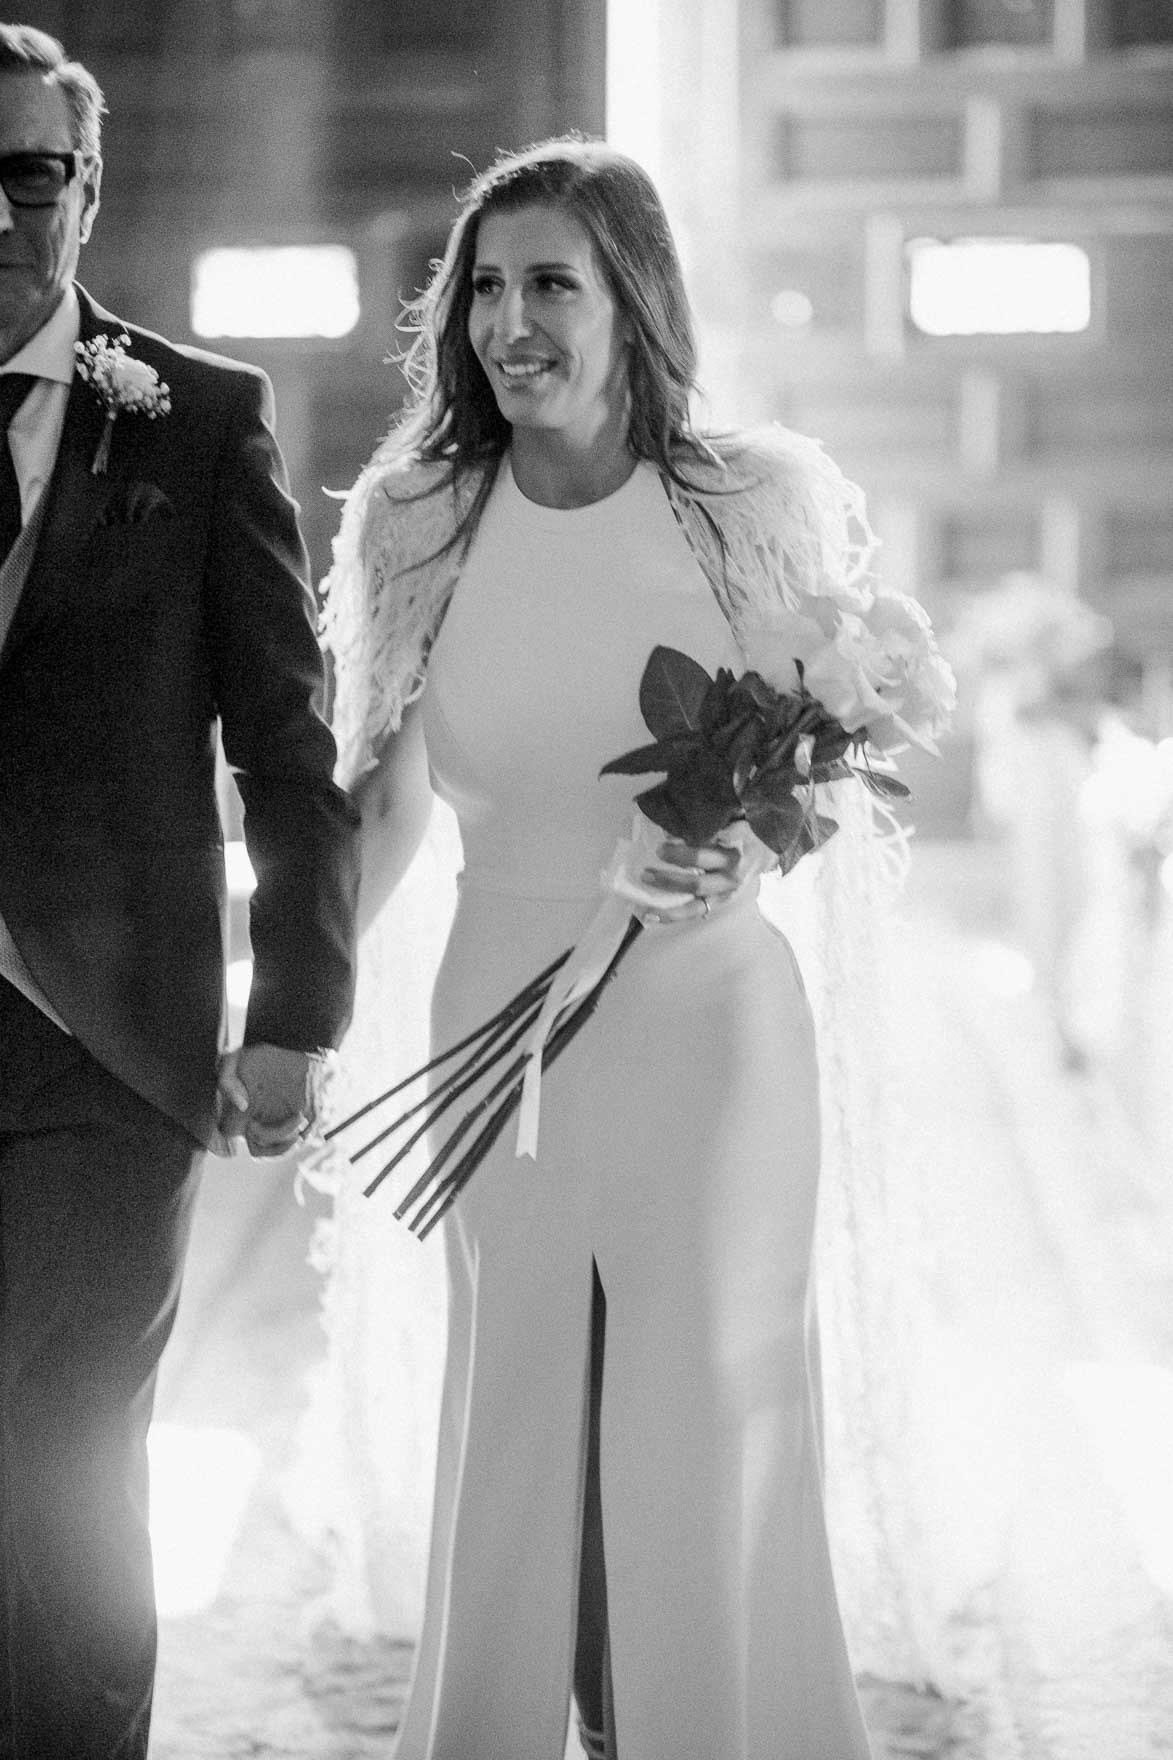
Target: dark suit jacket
[[167, 594]]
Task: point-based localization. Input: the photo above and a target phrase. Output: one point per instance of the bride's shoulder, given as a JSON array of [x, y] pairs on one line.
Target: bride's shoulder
[[409, 508], [772, 479], [762, 462], [404, 480], [399, 488], [768, 504]]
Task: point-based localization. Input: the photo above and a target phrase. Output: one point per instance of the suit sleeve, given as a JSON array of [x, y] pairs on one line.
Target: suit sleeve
[[300, 828]]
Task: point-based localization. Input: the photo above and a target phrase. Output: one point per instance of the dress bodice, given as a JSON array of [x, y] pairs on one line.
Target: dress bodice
[[533, 682]]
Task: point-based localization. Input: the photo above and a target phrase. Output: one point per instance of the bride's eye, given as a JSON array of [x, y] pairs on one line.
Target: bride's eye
[[483, 285]]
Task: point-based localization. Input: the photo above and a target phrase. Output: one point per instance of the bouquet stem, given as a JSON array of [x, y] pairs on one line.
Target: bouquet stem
[[439, 1101], [493, 1042], [529, 996], [444, 1194]]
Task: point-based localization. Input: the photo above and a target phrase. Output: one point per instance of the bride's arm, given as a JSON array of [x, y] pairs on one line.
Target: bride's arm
[[395, 799]]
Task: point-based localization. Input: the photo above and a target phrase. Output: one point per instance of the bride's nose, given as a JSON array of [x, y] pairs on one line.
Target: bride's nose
[[512, 315]]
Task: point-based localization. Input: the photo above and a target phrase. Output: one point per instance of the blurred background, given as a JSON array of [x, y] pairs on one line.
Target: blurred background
[[938, 236]]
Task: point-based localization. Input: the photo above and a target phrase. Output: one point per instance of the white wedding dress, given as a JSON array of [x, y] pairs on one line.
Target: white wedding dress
[[678, 1153]]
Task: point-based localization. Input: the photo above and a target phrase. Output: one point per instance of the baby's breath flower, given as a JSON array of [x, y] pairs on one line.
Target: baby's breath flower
[[122, 385]]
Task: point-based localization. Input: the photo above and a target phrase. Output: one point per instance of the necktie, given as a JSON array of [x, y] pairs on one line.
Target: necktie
[[14, 388]]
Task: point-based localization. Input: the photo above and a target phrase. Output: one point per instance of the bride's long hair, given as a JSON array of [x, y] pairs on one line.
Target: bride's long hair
[[453, 415]]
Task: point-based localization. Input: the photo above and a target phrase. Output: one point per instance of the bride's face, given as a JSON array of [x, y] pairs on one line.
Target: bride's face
[[544, 325]]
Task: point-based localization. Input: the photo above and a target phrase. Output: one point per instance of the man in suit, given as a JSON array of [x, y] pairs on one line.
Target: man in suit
[[152, 591]]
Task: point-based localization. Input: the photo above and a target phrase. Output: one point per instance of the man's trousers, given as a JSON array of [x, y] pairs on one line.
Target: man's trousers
[[96, 1195]]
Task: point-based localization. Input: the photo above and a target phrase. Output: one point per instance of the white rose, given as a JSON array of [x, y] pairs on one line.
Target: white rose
[[915, 682], [845, 676], [131, 379], [877, 668], [791, 636]]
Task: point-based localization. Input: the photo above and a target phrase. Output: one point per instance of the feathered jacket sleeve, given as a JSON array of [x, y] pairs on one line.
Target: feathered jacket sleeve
[[395, 564], [774, 519]]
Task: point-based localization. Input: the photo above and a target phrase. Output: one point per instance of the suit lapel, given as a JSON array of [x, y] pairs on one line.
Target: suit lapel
[[73, 500]]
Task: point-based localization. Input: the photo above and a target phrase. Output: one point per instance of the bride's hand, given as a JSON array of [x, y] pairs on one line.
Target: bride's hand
[[696, 878], [669, 881]]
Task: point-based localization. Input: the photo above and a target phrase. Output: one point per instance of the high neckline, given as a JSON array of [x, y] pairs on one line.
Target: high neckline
[[596, 515]]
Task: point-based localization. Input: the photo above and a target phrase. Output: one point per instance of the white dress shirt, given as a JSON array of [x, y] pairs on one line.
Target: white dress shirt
[[34, 436]]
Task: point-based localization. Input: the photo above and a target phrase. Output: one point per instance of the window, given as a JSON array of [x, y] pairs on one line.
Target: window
[[822, 24], [971, 24], [284, 290], [1137, 24], [997, 287]]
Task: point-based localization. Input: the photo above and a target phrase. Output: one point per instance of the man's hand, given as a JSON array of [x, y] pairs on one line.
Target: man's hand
[[264, 1094]]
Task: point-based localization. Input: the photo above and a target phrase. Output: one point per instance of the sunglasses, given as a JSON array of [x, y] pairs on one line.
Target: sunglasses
[[37, 180]]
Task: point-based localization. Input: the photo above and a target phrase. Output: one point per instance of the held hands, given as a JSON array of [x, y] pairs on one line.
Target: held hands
[[265, 1097]]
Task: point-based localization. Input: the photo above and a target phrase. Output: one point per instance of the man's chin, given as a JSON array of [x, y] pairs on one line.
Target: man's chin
[[21, 313]]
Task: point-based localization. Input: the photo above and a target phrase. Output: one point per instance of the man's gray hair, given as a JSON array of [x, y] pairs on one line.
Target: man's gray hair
[[24, 49]]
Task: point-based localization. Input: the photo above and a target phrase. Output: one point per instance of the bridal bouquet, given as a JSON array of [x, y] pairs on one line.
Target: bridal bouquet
[[835, 686]]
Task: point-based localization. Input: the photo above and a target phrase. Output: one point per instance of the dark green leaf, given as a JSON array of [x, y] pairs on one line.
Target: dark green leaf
[[705, 796], [727, 733], [696, 798], [814, 832], [887, 787], [672, 692], [660, 756], [743, 754], [659, 805], [777, 820], [831, 742], [763, 696], [785, 737], [779, 775]]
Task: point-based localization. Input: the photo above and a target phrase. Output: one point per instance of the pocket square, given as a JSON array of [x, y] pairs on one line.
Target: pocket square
[[132, 504]]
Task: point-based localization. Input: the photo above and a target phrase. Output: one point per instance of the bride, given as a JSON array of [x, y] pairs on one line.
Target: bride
[[628, 1492]]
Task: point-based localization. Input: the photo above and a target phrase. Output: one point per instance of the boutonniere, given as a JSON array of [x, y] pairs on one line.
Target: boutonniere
[[121, 384]]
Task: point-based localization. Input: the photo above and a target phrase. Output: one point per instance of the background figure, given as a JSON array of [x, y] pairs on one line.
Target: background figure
[[154, 587], [1038, 698], [1126, 811], [629, 1457]]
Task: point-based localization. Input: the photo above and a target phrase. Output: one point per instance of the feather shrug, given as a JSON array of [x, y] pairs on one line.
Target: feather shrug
[[770, 514]]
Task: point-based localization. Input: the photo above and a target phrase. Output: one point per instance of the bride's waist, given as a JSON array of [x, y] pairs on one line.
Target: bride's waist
[[557, 869], [529, 884]]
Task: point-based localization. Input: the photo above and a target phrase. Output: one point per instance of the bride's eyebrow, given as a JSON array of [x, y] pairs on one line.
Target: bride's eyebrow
[[530, 268]]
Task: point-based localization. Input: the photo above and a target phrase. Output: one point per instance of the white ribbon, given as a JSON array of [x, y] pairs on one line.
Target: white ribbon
[[624, 888], [585, 965], [593, 952]]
